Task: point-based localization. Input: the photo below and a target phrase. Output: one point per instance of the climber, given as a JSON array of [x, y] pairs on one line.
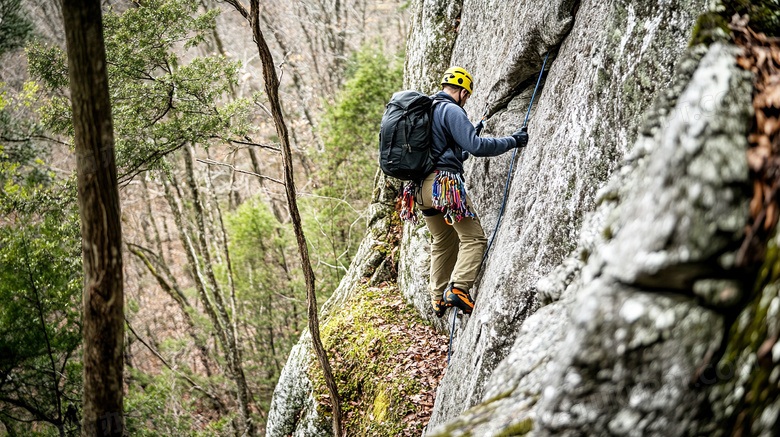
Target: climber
[[458, 238]]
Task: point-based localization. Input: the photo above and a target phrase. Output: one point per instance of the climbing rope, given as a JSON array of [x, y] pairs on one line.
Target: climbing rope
[[512, 163], [503, 203]]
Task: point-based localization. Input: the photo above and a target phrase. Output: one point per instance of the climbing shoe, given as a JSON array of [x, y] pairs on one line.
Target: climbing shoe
[[440, 307], [459, 298]]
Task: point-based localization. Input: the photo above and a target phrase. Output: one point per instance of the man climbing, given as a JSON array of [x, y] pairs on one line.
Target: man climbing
[[458, 239]]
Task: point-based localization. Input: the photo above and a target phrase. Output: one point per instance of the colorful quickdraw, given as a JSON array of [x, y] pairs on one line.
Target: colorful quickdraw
[[406, 204], [449, 197]]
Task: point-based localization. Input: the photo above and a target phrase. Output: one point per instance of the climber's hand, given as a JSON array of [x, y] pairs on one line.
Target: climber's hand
[[521, 137], [479, 127]]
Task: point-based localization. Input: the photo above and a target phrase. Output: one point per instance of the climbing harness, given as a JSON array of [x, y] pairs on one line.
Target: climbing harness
[[503, 203], [449, 197]]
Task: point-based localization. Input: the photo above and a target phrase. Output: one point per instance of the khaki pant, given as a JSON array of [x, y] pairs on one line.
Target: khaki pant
[[457, 249]]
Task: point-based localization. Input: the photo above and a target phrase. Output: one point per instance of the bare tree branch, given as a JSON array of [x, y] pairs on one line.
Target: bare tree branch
[[225, 164], [272, 91]]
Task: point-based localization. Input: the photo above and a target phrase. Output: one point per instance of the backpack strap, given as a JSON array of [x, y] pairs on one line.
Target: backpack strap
[[448, 145]]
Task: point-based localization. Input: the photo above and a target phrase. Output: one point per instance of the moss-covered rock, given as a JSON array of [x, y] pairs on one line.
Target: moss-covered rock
[[293, 408], [386, 363], [746, 394], [710, 27], [518, 429], [713, 25]]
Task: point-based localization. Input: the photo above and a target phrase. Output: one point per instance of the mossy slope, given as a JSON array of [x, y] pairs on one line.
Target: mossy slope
[[386, 363]]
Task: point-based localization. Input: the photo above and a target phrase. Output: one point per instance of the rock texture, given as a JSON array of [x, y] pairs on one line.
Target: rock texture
[[603, 75], [611, 290], [619, 349]]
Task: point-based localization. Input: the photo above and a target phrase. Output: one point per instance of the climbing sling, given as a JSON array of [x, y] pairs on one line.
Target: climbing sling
[[503, 203]]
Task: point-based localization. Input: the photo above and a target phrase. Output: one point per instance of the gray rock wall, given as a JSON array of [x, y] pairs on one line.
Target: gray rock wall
[[609, 62], [616, 353], [611, 286]]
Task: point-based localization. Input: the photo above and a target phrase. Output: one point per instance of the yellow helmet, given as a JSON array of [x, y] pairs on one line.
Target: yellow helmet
[[458, 77]]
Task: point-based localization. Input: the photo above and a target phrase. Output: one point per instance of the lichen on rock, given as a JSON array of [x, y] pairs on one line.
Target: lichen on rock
[[609, 65], [745, 382]]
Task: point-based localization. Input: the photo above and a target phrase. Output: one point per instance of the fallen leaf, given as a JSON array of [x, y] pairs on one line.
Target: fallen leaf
[[772, 125], [756, 158], [772, 96]]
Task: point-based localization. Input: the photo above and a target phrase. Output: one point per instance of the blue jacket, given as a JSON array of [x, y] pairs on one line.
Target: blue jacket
[[453, 133]]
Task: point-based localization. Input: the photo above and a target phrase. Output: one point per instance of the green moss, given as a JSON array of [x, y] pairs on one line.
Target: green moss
[[584, 256], [572, 187], [382, 248], [745, 338], [518, 429], [709, 27], [381, 406], [362, 340], [713, 26], [499, 396], [607, 233]]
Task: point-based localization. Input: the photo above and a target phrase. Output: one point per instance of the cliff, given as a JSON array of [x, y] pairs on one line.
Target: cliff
[[613, 301]]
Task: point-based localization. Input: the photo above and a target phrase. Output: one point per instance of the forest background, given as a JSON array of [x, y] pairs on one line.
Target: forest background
[[208, 245]]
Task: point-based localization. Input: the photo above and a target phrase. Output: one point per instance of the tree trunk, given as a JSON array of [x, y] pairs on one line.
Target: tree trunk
[[272, 91], [99, 209]]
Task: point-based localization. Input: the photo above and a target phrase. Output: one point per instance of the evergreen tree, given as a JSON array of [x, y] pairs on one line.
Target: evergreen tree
[[15, 28], [160, 104]]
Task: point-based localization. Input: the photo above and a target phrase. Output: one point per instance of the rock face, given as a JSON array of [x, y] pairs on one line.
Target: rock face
[[619, 349], [611, 289], [609, 63]]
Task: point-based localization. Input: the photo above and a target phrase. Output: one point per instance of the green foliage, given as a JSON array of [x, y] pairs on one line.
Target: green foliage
[[40, 302], [40, 268], [269, 285], [350, 129], [159, 102], [18, 143], [151, 409], [15, 28]]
